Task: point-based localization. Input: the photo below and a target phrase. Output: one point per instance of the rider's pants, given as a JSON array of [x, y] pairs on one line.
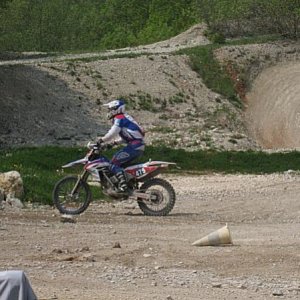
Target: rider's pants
[[126, 155]]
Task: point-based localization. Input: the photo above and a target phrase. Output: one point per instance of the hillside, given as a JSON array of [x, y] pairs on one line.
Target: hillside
[[58, 100], [271, 92], [162, 91]]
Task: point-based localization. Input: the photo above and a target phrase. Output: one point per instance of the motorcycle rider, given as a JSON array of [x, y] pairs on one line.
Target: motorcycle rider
[[124, 130]]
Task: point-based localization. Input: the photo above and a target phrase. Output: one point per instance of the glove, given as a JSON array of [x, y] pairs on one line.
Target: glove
[[100, 142]]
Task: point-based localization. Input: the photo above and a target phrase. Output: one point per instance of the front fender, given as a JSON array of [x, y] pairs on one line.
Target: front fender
[[81, 161]]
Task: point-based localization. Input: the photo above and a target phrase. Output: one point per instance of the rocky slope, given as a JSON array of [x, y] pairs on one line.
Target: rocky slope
[[59, 100]]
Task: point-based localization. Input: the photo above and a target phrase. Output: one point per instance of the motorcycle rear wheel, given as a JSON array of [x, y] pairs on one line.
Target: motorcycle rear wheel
[[163, 197], [68, 203]]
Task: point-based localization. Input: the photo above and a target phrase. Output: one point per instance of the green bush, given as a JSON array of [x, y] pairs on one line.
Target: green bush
[[59, 25], [215, 37], [87, 25]]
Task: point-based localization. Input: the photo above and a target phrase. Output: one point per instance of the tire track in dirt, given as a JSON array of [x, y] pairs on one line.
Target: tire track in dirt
[[273, 114]]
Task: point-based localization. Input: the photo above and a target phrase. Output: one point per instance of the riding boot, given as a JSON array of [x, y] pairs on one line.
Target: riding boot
[[122, 181]]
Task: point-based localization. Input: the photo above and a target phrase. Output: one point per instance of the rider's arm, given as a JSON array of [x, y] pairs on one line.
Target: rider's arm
[[112, 133], [119, 141]]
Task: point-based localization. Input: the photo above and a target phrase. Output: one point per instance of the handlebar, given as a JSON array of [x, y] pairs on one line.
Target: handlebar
[[94, 147]]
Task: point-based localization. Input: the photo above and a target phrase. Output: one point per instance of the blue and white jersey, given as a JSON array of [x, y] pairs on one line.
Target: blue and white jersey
[[127, 128]]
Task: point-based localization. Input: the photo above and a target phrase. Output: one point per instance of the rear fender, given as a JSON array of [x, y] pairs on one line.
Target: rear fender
[[161, 164], [147, 170]]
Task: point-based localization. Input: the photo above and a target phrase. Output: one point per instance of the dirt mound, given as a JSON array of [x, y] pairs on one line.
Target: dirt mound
[[271, 72], [59, 102], [273, 114], [38, 109], [165, 94]]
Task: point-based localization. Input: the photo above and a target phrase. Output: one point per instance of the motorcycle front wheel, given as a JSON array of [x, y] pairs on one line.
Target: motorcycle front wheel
[[71, 196], [162, 197]]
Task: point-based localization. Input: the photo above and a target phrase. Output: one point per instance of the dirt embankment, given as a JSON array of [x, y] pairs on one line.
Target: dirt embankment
[[273, 114], [162, 90], [39, 109], [52, 100], [268, 78]]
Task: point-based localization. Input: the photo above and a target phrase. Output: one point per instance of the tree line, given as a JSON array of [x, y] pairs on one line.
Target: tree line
[[251, 17], [60, 25]]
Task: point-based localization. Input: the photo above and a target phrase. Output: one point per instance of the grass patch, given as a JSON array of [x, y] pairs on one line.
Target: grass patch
[[231, 162], [260, 39], [203, 62], [214, 76], [40, 168], [143, 101], [162, 129]]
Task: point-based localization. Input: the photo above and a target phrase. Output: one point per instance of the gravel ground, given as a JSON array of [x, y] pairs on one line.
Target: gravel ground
[[115, 252]]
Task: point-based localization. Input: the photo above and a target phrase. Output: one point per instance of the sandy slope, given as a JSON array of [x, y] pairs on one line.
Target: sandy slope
[[273, 114], [271, 93]]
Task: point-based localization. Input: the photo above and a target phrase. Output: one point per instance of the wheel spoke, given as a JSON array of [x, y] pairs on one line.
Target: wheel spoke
[[159, 198]]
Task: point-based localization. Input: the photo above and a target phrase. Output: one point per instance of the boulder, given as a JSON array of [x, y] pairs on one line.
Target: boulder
[[12, 184]]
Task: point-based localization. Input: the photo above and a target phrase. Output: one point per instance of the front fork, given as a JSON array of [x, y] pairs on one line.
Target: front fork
[[82, 177]]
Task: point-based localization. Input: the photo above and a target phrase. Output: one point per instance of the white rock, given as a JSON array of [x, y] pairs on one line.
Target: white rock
[[12, 183], [14, 202], [67, 218], [147, 255]]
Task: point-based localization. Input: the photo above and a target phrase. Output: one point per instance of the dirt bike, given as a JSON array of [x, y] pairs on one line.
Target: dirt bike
[[155, 196]]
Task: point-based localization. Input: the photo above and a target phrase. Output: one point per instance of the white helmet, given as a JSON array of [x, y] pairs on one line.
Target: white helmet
[[115, 107]]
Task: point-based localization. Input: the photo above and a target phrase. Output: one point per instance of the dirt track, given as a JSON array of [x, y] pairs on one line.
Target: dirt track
[[156, 259], [273, 114]]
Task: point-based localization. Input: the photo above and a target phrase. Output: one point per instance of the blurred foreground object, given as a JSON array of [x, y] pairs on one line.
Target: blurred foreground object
[[14, 285]]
